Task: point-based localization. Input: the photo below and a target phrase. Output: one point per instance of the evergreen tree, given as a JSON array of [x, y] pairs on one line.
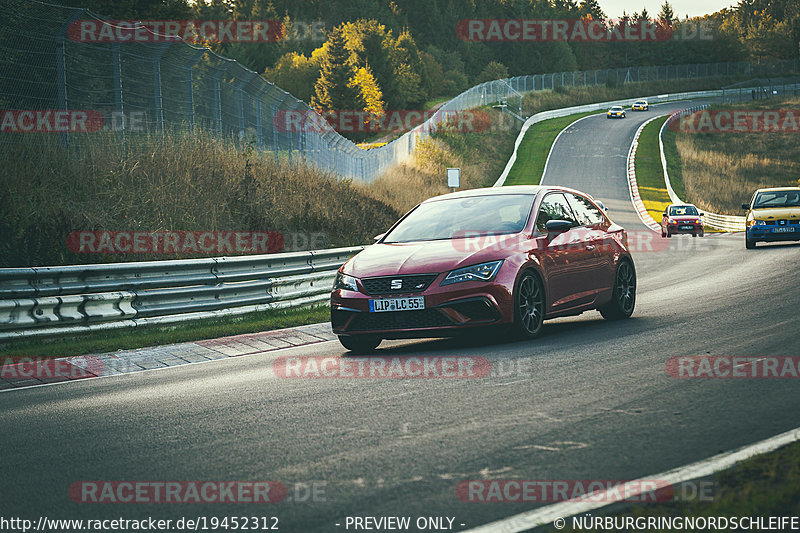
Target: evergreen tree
[[332, 91]]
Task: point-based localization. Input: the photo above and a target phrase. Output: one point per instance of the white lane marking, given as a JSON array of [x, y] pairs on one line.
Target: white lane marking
[[546, 515], [547, 161]]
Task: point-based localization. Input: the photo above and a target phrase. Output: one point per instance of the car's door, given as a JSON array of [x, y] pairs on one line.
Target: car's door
[[566, 258], [593, 226]]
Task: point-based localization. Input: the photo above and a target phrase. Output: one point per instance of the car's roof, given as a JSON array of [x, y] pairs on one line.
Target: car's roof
[[683, 205], [494, 191], [777, 189], [616, 106]]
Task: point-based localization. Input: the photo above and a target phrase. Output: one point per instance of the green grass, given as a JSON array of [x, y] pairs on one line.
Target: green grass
[[674, 163], [766, 485], [130, 338], [534, 148], [649, 173]]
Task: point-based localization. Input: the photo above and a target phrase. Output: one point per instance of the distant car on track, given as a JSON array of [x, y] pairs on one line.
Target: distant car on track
[[682, 218], [616, 111], [773, 215], [506, 256], [640, 105]]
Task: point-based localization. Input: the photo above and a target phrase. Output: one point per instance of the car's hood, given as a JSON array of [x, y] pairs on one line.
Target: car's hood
[[429, 257], [776, 213]]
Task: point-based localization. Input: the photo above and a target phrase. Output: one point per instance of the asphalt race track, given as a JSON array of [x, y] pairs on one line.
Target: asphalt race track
[[590, 399]]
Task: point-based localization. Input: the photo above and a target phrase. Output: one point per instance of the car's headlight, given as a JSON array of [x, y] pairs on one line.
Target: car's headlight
[[482, 272], [343, 281]]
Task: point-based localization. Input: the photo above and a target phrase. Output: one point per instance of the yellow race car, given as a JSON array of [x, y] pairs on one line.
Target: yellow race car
[[773, 215], [640, 105]]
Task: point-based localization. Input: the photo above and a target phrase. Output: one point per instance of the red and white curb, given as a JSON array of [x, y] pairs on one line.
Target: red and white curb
[[32, 372]]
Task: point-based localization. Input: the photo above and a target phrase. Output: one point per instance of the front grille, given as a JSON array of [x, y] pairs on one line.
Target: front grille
[[409, 284], [425, 318]]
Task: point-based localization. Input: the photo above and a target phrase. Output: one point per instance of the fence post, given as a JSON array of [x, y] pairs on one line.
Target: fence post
[[189, 85], [240, 101], [275, 107], [61, 69], [157, 99], [117, 76], [218, 97]]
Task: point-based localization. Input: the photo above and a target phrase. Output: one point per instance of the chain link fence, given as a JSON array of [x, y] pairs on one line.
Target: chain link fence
[[52, 82]]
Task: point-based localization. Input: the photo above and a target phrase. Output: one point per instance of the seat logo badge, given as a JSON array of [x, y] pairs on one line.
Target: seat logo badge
[[397, 284]]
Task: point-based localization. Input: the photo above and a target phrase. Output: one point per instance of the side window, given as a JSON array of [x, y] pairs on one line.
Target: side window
[[586, 213], [554, 207]]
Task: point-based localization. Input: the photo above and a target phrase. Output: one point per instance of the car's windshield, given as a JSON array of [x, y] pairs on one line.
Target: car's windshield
[[461, 217], [681, 210], [777, 199], [616, 108]]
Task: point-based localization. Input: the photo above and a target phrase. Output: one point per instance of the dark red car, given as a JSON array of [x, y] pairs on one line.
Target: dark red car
[[510, 256], [682, 218]]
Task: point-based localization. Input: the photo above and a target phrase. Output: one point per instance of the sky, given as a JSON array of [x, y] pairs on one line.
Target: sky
[[693, 8]]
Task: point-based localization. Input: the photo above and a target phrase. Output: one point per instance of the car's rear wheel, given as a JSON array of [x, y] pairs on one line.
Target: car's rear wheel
[[749, 243], [623, 298], [529, 304], [360, 343]]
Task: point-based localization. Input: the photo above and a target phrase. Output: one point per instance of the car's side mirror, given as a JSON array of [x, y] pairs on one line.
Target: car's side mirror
[[554, 227], [746, 207], [701, 214], [376, 238]]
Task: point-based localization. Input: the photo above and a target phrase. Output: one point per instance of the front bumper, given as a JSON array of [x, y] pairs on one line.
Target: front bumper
[[765, 233], [686, 229], [448, 311]]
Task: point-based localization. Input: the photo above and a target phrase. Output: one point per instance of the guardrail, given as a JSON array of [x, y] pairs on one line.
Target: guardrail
[[714, 220], [41, 301]]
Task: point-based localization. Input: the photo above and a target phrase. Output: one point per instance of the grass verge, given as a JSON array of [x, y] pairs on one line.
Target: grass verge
[[130, 338], [649, 173], [535, 147], [763, 486]]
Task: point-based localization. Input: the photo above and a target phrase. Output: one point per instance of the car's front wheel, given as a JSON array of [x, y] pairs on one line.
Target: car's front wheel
[[529, 305], [749, 243], [623, 298], [360, 343]]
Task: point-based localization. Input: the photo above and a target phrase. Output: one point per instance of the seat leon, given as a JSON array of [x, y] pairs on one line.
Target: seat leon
[[502, 256]]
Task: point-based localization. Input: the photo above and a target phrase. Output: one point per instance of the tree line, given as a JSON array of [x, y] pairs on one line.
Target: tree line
[[400, 54]]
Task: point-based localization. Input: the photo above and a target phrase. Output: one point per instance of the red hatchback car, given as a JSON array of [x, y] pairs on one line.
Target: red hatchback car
[[682, 218], [510, 256]]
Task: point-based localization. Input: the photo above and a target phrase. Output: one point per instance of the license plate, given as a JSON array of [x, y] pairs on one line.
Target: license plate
[[397, 304], [783, 230], [687, 227]]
